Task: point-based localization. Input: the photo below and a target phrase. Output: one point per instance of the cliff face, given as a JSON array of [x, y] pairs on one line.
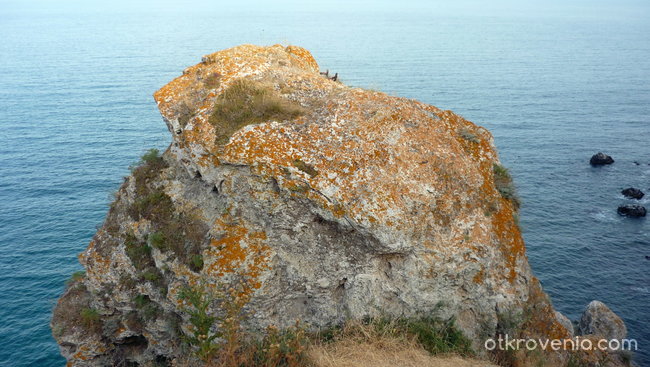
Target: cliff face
[[304, 199]]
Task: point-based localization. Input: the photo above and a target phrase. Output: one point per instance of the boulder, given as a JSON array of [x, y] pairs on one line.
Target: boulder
[[632, 210], [598, 319], [633, 193], [297, 197], [600, 159]]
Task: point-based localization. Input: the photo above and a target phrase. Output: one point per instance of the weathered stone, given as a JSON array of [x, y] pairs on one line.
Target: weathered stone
[[600, 159], [564, 321], [358, 204], [598, 319]]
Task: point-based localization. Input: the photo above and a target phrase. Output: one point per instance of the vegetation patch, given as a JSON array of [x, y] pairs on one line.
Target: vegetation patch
[[90, 319], [185, 113], [246, 102], [71, 312], [178, 232], [212, 81], [307, 168], [504, 184], [221, 340], [435, 335], [147, 308], [468, 135], [75, 277], [138, 252]]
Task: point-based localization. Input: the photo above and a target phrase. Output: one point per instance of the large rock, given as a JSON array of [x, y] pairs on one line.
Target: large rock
[[632, 210], [600, 159], [322, 203], [598, 319], [633, 193]]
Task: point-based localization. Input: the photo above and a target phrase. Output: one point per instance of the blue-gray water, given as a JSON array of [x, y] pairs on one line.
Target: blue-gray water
[[553, 85]]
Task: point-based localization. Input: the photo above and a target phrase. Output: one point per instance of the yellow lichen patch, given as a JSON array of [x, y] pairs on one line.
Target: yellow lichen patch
[[238, 251], [304, 55], [509, 238], [541, 318], [97, 266]]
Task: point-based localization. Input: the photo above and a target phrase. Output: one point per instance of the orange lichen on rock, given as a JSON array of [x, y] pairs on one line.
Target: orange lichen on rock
[[238, 251]]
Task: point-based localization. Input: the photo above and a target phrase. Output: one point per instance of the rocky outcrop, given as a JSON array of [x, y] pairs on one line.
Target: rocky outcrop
[[632, 210], [301, 198], [598, 319], [633, 193], [600, 159]]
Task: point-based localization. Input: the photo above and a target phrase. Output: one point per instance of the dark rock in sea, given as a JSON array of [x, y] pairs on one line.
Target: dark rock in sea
[[601, 159], [632, 210], [633, 193], [637, 163]]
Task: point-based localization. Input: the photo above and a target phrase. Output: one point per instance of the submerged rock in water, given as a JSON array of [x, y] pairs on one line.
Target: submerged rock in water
[[600, 159], [299, 198], [632, 210], [633, 193]]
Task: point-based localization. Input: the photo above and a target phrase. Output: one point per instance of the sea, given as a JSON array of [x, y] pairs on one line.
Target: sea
[[554, 81]]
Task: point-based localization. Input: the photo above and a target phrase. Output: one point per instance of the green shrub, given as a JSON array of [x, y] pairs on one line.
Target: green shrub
[[148, 308], [155, 205], [90, 318], [202, 338], [504, 184], [247, 102], [138, 252], [196, 262], [438, 336], [152, 157], [151, 275], [141, 300], [75, 277], [157, 240]]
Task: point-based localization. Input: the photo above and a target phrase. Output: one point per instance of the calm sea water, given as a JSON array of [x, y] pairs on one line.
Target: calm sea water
[[553, 86]]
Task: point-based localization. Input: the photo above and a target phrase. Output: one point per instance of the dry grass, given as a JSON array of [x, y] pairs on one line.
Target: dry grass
[[247, 102], [366, 345]]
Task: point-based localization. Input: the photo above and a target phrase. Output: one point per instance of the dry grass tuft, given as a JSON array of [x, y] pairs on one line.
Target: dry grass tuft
[[247, 102], [365, 345]]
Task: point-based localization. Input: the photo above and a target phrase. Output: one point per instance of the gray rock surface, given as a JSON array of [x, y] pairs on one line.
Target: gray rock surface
[[598, 319]]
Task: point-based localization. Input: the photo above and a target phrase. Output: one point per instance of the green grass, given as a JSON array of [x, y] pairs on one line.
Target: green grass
[[504, 184], [434, 334], [247, 102]]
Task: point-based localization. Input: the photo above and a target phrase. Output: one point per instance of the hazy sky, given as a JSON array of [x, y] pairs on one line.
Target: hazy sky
[[637, 8]]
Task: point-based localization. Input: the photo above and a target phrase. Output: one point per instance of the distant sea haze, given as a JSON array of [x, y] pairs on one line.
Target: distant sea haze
[[554, 88]]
